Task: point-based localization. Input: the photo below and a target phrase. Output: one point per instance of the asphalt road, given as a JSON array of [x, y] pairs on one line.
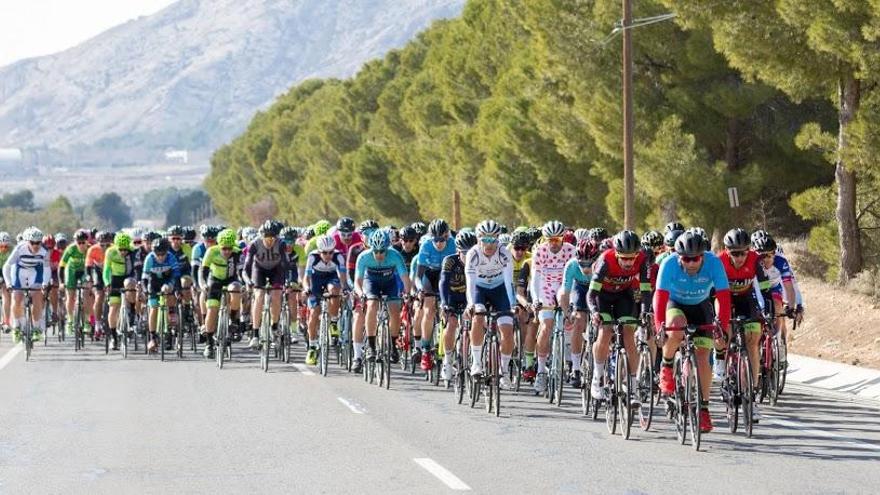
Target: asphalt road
[[89, 423]]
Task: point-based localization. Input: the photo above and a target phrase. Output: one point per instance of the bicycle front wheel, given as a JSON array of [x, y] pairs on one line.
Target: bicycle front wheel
[[621, 383], [746, 391], [646, 389], [694, 399], [324, 346]]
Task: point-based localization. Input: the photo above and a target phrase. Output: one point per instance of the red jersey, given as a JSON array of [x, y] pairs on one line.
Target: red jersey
[[609, 276], [740, 279]]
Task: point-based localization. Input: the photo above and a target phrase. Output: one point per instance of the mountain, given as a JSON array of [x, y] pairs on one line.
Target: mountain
[[192, 75]]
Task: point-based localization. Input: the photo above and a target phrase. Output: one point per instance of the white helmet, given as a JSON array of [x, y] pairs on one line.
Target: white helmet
[[553, 228], [137, 234], [488, 228], [34, 234], [5, 238], [326, 243], [581, 235]]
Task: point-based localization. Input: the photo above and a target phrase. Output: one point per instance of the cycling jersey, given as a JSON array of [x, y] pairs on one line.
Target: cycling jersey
[[158, 273], [219, 267], [428, 264], [779, 273], [73, 259], [354, 251], [183, 265], [368, 267], [315, 263], [117, 265], [25, 269], [4, 255], [547, 271], [265, 257], [574, 275], [489, 272], [517, 265], [409, 256], [342, 247], [453, 283], [741, 279], [675, 286]]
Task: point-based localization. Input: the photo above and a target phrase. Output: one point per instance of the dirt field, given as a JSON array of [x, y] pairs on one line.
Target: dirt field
[[838, 325]]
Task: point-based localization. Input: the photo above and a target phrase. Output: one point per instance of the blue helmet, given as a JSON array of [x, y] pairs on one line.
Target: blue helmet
[[379, 240]]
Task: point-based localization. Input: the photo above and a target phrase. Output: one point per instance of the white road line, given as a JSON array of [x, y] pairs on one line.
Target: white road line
[[821, 433], [355, 409], [304, 369], [10, 355], [441, 473]]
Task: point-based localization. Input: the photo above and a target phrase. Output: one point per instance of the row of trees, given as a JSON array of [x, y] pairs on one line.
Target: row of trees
[[516, 104]]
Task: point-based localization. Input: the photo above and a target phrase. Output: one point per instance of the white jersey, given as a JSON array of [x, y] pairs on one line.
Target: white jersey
[[488, 272], [26, 270]]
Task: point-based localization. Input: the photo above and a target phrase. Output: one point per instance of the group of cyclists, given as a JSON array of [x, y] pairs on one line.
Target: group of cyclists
[[430, 282]]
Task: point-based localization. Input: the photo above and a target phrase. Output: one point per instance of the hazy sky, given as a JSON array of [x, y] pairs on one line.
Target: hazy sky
[[29, 28]]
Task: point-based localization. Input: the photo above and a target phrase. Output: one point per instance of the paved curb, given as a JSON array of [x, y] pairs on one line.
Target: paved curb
[[861, 382]]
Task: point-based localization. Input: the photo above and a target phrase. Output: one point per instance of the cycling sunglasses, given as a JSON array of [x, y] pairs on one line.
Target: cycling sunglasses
[[738, 254], [379, 251], [692, 259], [488, 240]]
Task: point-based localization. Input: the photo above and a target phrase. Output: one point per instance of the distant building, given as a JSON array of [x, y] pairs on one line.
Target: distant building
[[177, 156], [10, 156]]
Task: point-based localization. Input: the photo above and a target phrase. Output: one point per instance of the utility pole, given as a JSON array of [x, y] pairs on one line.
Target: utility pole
[[628, 170], [456, 209]]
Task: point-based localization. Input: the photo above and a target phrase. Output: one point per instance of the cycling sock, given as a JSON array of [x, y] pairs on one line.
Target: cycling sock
[[704, 405], [720, 355], [424, 344], [576, 361], [447, 358], [417, 337], [371, 341], [358, 350], [477, 353], [542, 364], [668, 362], [530, 359], [600, 369], [505, 363]]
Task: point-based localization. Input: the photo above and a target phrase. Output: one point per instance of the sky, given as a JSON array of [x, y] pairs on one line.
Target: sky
[[29, 28]]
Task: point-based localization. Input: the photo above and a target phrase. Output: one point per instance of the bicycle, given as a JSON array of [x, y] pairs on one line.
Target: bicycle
[[587, 370], [405, 341], [770, 364], [618, 396], [491, 360], [266, 334], [123, 325], [223, 341], [737, 387], [557, 358], [345, 349], [683, 408], [79, 319], [27, 333], [284, 340], [646, 386], [324, 333], [48, 315], [383, 335], [461, 376]]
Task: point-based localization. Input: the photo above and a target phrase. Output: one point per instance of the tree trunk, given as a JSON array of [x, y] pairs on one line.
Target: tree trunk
[[731, 155], [847, 224]]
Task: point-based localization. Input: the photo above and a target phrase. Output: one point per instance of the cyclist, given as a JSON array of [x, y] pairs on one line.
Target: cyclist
[[489, 278], [520, 249], [209, 238], [375, 276], [265, 264], [325, 272], [219, 270], [432, 252], [296, 259], [5, 251], [610, 298], [118, 274], [547, 273], [321, 227], [453, 295], [782, 288], [182, 252], [161, 274], [28, 268], [684, 284], [55, 253], [95, 274], [72, 272], [578, 272]]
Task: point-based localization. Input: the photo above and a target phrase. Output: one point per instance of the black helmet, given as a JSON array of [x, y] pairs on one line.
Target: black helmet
[[368, 225], [161, 245], [204, 229], [175, 231], [671, 236], [503, 228], [521, 239], [627, 242], [690, 243], [652, 239], [736, 239], [271, 228], [81, 235], [764, 244], [420, 227], [438, 228], [409, 234], [759, 233], [152, 236], [598, 234], [289, 234], [105, 237], [465, 240], [673, 226], [345, 225], [189, 233]]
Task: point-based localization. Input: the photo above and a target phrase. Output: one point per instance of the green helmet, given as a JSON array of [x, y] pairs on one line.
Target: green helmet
[[226, 238], [122, 241], [321, 227]]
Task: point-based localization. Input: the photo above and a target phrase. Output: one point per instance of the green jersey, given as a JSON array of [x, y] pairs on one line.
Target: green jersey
[[73, 259], [220, 267]]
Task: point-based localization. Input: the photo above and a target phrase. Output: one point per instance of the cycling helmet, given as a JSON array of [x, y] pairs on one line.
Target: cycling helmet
[[736, 239], [161, 245], [488, 228], [175, 231], [420, 227], [393, 233], [59, 237], [137, 234], [702, 233], [271, 228], [588, 250], [326, 243], [535, 234], [553, 228], [598, 234], [764, 244], [504, 229], [438, 228], [321, 227], [690, 244], [289, 234], [580, 235], [105, 237], [759, 233], [189, 233], [671, 236], [409, 234], [204, 229], [673, 226], [465, 241], [379, 240], [5, 238], [122, 241], [652, 239], [368, 225], [569, 238], [226, 238], [48, 241], [81, 235], [345, 225], [504, 239], [212, 233], [521, 239], [627, 242], [152, 236]]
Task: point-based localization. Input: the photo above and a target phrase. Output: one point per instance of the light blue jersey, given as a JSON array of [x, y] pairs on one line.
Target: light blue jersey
[[691, 289]]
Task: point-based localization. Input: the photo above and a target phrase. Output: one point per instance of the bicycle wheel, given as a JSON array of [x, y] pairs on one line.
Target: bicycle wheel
[[587, 371], [265, 343], [680, 412], [78, 327], [623, 392], [645, 377], [106, 343], [459, 364], [783, 365], [27, 334], [610, 401], [730, 390], [766, 356], [122, 331], [324, 345], [495, 366], [775, 370], [746, 389], [515, 366], [162, 331], [381, 357], [694, 399], [389, 342], [220, 342], [559, 350], [476, 382], [47, 318]]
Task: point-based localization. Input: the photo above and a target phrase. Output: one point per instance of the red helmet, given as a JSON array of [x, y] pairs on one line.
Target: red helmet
[[48, 242], [588, 250], [568, 237]]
